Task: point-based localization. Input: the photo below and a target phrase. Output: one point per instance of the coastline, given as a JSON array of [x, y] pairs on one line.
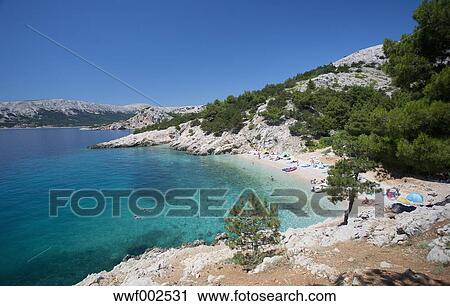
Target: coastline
[[305, 175], [310, 250]]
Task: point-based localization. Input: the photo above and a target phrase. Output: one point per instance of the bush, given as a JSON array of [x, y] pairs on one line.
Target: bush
[[323, 142], [195, 122], [439, 86], [425, 155], [275, 109], [273, 115], [230, 114]]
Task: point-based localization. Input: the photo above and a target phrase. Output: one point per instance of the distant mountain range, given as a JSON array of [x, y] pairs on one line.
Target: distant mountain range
[[60, 112]]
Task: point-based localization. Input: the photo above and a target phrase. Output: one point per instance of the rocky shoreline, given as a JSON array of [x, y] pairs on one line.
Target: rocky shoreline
[[255, 135], [184, 265]]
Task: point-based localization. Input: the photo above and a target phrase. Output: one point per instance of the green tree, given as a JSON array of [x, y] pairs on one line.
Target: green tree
[[273, 115], [344, 183], [416, 56], [359, 122], [253, 230], [432, 34], [409, 70], [425, 155], [439, 86]]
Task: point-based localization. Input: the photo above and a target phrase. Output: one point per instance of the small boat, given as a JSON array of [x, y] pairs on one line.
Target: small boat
[[289, 169]]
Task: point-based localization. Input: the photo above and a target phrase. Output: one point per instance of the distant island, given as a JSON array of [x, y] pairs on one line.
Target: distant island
[[62, 113]]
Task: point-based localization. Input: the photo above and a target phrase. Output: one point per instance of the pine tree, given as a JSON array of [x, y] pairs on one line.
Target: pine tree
[[253, 231]]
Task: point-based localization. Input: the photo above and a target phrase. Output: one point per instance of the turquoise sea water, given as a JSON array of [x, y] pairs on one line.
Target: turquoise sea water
[[39, 250]]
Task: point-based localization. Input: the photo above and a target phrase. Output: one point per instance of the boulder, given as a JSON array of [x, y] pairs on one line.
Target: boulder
[[385, 265], [267, 263]]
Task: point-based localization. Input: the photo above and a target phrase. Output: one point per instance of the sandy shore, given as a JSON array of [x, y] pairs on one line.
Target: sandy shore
[[432, 191], [302, 173]]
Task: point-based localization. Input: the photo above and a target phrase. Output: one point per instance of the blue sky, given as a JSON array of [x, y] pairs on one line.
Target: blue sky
[[181, 52]]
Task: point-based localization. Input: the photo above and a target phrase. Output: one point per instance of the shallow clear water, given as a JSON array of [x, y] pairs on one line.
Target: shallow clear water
[[37, 249]]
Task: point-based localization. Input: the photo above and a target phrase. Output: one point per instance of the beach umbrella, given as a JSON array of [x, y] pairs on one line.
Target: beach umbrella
[[414, 197]]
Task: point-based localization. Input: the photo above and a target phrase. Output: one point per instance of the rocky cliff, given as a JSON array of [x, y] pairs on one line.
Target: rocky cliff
[[255, 135]]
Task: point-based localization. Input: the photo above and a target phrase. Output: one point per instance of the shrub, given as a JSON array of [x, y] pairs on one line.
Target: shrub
[[195, 122], [439, 86], [425, 155]]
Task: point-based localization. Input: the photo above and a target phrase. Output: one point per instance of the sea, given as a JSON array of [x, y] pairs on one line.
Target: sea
[[41, 248]]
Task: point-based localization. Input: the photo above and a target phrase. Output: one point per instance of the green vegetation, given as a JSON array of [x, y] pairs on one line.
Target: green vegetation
[[423, 245], [418, 56], [175, 120], [407, 132], [321, 111], [313, 145], [275, 113], [343, 182], [253, 230], [231, 113]]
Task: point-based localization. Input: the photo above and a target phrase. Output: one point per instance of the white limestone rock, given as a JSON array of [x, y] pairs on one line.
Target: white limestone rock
[[440, 247], [373, 55], [385, 265], [378, 231], [268, 262], [215, 279], [150, 138], [316, 269], [421, 219]]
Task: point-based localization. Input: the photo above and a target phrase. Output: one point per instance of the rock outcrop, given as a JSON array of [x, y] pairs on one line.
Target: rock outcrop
[[148, 268], [373, 56], [366, 71], [255, 135], [149, 115], [364, 76], [378, 231], [440, 247], [142, 139]]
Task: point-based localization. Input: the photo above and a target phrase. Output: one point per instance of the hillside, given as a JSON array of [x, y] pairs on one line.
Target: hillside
[[387, 104], [59, 112], [148, 116], [362, 68]]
